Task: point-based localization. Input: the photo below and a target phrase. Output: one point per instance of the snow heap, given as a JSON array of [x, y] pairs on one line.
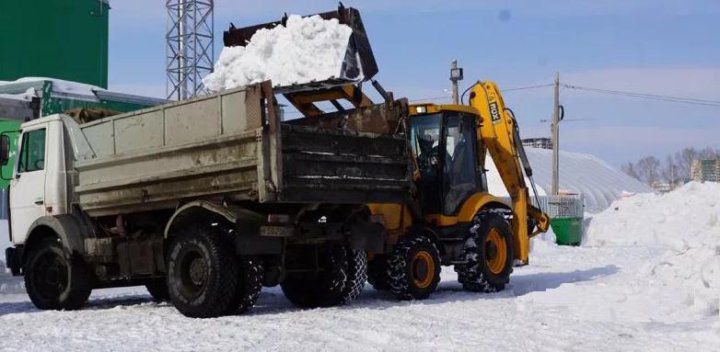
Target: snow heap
[[685, 222], [307, 49]]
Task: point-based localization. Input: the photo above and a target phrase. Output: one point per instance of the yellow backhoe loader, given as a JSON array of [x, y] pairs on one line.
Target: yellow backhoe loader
[[453, 219]]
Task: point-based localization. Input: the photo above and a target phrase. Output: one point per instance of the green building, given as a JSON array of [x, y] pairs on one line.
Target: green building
[[64, 39]]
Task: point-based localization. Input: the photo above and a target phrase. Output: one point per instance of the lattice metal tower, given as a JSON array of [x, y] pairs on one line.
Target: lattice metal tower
[[190, 49]]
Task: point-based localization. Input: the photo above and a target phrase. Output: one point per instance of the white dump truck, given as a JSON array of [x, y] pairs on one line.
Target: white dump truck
[[203, 201]]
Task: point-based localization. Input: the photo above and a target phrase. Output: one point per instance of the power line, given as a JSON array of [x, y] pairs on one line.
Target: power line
[[502, 90], [528, 87], [647, 96]]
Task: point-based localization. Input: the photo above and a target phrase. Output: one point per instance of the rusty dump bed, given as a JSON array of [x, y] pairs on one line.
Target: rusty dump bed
[[232, 145]]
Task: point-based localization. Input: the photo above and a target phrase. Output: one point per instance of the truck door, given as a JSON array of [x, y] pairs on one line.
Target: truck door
[[27, 189]]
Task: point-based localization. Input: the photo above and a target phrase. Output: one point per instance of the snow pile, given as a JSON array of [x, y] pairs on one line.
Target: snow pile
[[307, 49], [685, 222], [28, 95]]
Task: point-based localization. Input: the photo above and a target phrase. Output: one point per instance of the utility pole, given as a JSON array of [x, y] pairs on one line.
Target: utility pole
[[456, 75], [555, 137]]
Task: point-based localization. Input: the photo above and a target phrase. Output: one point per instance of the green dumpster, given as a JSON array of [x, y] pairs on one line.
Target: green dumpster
[[568, 231], [566, 218]]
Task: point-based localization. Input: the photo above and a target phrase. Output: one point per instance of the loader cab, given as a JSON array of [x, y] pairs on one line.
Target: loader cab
[[444, 142]]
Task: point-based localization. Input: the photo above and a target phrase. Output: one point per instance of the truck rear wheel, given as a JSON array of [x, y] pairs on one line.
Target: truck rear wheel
[[488, 254], [414, 268], [203, 272], [158, 290], [54, 279], [324, 288], [377, 273], [357, 274], [249, 285]]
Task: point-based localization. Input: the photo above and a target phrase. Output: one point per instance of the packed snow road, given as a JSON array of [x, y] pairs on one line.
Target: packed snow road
[[629, 288]]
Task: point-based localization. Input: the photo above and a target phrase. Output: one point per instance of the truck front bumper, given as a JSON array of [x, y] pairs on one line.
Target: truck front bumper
[[13, 260]]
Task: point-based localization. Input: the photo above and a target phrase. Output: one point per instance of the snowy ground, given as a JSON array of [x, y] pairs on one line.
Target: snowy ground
[[603, 296]]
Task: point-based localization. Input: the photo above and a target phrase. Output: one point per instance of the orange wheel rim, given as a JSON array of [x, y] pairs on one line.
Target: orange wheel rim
[[496, 252], [423, 269]]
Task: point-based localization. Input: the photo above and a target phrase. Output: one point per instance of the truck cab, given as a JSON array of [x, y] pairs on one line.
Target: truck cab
[[40, 181]]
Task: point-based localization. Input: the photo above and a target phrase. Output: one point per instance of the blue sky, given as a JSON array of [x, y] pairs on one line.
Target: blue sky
[[660, 47]]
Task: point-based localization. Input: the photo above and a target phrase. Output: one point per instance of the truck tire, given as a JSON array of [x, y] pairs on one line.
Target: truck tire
[[488, 254], [324, 288], [414, 268], [203, 272], [377, 273], [55, 279], [249, 285], [158, 290], [357, 274]]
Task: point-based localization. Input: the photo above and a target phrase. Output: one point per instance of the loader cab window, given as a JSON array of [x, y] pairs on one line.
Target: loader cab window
[[32, 152], [425, 138], [445, 147], [460, 177]]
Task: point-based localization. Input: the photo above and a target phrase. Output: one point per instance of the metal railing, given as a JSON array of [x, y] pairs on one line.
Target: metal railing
[[562, 206]]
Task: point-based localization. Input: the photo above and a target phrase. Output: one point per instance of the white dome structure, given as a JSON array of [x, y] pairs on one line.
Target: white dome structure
[[598, 182]]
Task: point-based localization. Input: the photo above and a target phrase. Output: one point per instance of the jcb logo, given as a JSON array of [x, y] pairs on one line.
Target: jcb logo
[[494, 113]]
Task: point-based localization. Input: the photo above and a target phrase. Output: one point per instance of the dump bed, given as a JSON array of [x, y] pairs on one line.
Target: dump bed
[[233, 145]]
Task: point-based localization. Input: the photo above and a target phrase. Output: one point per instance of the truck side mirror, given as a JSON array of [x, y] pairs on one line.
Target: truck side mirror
[[4, 149]]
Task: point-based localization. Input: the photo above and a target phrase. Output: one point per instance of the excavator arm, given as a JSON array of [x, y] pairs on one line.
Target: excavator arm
[[499, 134]]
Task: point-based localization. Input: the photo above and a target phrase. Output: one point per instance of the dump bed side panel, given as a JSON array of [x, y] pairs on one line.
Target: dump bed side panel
[[152, 158]]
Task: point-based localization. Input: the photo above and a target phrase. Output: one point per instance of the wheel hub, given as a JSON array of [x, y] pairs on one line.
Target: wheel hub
[[496, 252], [422, 268], [50, 275], [491, 250], [198, 271]]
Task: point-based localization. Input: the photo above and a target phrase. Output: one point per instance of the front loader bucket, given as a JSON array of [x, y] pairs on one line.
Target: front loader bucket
[[359, 63]]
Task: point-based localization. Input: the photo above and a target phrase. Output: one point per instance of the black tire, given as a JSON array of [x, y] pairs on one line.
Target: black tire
[[377, 273], [203, 272], [54, 279], [414, 268], [158, 289], [249, 285], [357, 274], [324, 288], [488, 266]]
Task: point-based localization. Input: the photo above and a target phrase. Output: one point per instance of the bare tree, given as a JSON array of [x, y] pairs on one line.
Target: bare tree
[[676, 167], [629, 169], [670, 171], [683, 161], [648, 168]]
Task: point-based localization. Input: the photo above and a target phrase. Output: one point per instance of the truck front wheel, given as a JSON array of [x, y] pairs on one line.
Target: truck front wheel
[[54, 279], [203, 272]]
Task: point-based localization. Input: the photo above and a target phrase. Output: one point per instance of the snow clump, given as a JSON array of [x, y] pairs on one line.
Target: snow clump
[[307, 49]]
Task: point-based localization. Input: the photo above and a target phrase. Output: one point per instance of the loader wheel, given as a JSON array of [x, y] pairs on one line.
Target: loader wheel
[[249, 286], [414, 268], [202, 272], [54, 279], [324, 288], [488, 254], [357, 274], [158, 290], [377, 273]]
